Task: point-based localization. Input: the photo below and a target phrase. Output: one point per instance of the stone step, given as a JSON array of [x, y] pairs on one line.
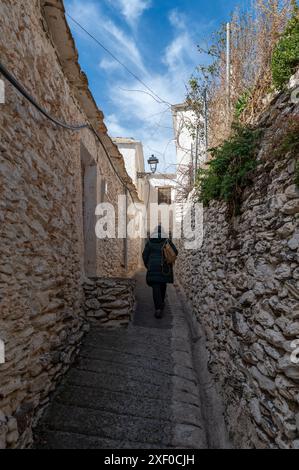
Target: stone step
[[53, 440], [127, 355], [142, 374], [116, 426], [133, 332], [139, 349], [118, 383], [141, 388], [162, 344], [131, 342], [149, 333], [127, 359], [116, 402], [146, 369], [128, 389]]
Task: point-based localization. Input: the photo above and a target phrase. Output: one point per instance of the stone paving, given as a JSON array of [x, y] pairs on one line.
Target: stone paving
[[130, 389]]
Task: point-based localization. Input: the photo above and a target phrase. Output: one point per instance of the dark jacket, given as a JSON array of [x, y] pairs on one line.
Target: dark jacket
[[158, 271]]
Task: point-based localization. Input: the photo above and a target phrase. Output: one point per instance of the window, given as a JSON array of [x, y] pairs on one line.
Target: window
[[164, 196]]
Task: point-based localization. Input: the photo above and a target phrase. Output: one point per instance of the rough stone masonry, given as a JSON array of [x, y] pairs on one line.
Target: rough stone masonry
[[243, 287], [50, 182], [109, 302]]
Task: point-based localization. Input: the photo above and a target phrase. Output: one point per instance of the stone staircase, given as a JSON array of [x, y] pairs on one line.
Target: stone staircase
[[129, 389]]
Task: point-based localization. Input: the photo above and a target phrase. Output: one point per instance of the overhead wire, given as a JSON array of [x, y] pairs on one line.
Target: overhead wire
[[152, 92], [145, 93], [72, 127], [88, 126]]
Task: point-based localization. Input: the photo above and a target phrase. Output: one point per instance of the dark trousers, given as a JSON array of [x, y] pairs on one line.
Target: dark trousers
[[159, 293]]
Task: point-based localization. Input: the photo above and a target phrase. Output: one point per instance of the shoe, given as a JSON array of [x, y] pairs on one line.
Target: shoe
[[158, 314]]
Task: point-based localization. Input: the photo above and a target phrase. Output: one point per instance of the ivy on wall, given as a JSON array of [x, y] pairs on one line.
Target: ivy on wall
[[285, 59], [230, 169]]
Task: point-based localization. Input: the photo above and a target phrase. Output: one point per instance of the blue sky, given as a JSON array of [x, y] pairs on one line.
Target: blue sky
[[157, 40]]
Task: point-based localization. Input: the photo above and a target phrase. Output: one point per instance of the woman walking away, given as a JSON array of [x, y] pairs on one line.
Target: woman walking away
[[159, 257]]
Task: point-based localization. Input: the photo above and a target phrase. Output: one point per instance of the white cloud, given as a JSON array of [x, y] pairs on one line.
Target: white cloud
[[145, 119], [177, 19], [137, 114], [109, 65], [132, 10], [130, 48], [114, 38], [178, 51], [115, 128]]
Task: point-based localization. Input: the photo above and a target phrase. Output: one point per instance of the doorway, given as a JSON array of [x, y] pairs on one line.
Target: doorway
[[89, 178]]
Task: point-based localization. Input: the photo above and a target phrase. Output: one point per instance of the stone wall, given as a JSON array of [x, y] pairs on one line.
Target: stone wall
[[42, 240], [243, 286], [109, 303]]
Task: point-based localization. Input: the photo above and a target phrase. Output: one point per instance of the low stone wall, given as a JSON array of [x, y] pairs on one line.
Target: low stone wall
[[243, 285], [9, 434], [40, 369], [109, 302]]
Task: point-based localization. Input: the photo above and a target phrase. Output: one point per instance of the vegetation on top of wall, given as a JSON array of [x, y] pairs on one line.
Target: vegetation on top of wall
[[230, 169], [242, 103], [285, 57], [290, 140], [255, 33], [289, 144]]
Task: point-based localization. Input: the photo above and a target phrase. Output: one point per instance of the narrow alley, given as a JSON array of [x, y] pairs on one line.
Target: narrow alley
[[130, 389], [124, 146]]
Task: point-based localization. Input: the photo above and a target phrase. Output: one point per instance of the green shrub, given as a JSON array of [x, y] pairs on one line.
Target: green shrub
[[288, 143], [242, 103], [285, 57], [230, 168]]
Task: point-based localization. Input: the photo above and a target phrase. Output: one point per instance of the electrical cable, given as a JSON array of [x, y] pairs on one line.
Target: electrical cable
[[16, 84], [117, 60], [152, 93]]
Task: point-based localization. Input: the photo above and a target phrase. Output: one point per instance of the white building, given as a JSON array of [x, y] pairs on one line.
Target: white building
[[159, 189], [190, 147], [152, 188], [132, 151]]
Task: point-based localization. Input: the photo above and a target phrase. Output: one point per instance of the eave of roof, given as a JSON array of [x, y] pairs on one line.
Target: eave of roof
[[53, 12]]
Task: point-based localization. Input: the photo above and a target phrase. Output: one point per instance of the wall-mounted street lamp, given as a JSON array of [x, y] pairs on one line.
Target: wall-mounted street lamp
[[153, 163]]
